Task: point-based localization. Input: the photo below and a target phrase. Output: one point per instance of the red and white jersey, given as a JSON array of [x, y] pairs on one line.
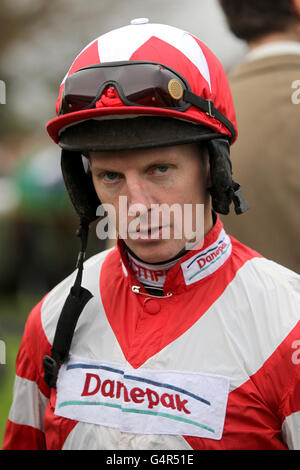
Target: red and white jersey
[[213, 364]]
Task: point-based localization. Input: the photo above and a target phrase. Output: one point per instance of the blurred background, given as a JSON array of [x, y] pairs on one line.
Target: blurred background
[[38, 41]]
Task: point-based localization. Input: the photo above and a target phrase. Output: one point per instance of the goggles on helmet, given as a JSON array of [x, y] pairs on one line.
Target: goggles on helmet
[[147, 84]]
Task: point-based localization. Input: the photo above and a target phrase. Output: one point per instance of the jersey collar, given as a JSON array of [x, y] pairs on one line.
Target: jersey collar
[[205, 259]]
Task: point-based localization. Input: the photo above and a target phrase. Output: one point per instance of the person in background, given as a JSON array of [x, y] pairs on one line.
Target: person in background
[[266, 156]]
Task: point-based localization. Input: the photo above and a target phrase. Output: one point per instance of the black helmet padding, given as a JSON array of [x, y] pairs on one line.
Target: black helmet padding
[[79, 186], [223, 189]]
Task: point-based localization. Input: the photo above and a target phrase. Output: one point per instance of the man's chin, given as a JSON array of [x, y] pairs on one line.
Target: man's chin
[[155, 251]]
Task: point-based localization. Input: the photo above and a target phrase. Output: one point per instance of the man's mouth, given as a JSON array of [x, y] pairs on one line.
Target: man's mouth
[[147, 232], [144, 230]]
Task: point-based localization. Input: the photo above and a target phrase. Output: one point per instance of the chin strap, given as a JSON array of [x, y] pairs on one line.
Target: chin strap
[[73, 307]]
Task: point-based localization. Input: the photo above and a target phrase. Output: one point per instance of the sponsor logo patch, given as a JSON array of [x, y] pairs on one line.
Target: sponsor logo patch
[[142, 401], [207, 261]]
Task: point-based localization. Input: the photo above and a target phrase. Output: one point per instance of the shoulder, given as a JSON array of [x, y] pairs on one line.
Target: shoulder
[[261, 308], [264, 293], [263, 273], [45, 314], [264, 65], [270, 277]]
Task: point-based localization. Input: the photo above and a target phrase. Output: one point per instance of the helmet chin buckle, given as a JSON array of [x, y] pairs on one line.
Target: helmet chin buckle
[[240, 204]]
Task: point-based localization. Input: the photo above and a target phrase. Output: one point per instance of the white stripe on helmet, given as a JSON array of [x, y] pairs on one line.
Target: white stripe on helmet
[[120, 44]]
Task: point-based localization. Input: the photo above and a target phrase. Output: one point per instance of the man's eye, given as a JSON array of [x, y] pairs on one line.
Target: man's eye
[[110, 176], [162, 169]]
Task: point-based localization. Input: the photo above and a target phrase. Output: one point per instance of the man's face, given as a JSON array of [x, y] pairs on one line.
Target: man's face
[[142, 185]]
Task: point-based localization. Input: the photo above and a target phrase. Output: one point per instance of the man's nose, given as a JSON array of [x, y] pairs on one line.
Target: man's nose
[[138, 193]]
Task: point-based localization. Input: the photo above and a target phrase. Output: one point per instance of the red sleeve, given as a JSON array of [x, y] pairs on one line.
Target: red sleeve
[[24, 428]]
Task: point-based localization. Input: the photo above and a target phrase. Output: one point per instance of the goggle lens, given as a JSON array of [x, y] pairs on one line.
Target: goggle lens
[[142, 84]]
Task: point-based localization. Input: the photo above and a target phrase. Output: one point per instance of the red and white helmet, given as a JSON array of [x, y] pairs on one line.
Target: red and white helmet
[[139, 86], [179, 50]]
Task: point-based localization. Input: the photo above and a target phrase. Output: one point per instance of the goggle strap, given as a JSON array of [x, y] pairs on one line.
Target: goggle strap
[[209, 108]]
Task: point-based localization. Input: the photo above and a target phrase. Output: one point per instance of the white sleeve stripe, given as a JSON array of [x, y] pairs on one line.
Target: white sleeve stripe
[[291, 431], [28, 405]]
